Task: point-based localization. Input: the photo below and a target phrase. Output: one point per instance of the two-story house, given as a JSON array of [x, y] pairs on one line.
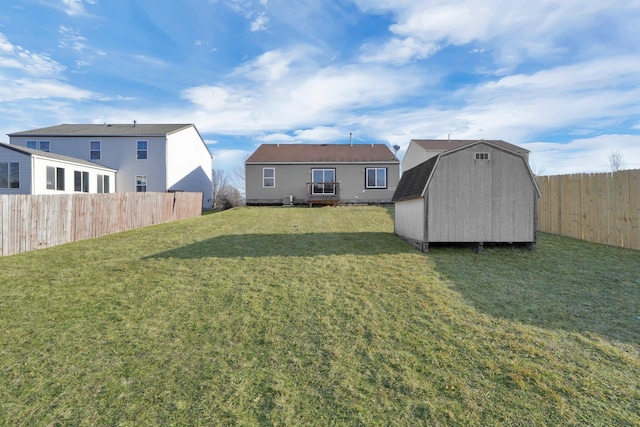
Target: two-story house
[[146, 157]]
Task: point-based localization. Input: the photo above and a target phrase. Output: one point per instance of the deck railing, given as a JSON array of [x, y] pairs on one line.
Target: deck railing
[[327, 193]]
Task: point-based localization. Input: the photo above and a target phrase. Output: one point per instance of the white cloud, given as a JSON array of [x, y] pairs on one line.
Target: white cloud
[[309, 98], [273, 64], [229, 160], [40, 89], [399, 51], [20, 59], [76, 7], [316, 134], [253, 10], [260, 23], [519, 28], [71, 38], [586, 155]]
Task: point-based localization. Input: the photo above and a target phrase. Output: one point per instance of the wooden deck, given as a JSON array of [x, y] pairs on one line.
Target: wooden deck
[[331, 200], [314, 198]]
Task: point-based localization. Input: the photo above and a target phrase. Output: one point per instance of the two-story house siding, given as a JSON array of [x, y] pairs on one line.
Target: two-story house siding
[[147, 157], [28, 171]]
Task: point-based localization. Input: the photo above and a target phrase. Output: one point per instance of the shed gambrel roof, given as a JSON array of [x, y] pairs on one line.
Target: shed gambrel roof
[[53, 156], [451, 144], [414, 181], [322, 153], [91, 130]]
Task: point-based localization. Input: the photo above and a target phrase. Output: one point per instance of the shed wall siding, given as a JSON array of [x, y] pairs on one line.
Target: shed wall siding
[[409, 219], [481, 200]]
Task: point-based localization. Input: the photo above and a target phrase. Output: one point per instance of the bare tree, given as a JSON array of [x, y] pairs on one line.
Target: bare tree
[[616, 162], [219, 181], [238, 178], [224, 194], [538, 170]]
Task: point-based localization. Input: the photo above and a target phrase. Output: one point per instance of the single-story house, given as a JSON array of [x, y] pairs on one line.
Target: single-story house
[[321, 174], [477, 193], [147, 157], [421, 150], [27, 171]]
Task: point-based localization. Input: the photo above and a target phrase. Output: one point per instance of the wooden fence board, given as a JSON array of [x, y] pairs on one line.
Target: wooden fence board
[[602, 208], [34, 222]]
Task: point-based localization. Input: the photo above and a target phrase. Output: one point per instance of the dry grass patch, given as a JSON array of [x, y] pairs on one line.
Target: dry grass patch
[[272, 316]]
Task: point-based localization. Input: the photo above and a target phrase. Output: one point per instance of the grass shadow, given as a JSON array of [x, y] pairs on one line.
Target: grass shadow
[[299, 245], [565, 284]]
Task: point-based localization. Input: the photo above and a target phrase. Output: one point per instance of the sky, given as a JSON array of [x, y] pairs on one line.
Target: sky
[[560, 78]]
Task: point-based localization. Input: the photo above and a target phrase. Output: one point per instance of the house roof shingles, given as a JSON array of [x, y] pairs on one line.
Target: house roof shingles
[[322, 153], [91, 130], [445, 144], [413, 181], [52, 156]]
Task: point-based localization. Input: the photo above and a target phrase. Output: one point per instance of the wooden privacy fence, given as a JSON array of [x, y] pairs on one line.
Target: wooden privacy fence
[[41, 221], [602, 208]]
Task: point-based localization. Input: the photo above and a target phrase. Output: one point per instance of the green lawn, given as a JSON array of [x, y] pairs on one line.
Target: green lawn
[[297, 316]]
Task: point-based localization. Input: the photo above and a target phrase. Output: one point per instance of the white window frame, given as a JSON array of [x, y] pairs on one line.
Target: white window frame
[[103, 184], [375, 184], [319, 187], [482, 155], [31, 144], [140, 151], [11, 167], [48, 150], [92, 151], [139, 185], [81, 185], [56, 183], [265, 178]]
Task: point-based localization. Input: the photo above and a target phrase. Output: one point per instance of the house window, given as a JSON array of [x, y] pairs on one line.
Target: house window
[[142, 150], [376, 177], [95, 150], [482, 156], [81, 181], [323, 181], [9, 175], [55, 178], [45, 146], [141, 183], [32, 144], [103, 183], [268, 177]]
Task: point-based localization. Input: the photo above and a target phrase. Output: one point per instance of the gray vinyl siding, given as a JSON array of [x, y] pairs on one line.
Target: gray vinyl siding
[[117, 153], [291, 179], [472, 200], [10, 156]]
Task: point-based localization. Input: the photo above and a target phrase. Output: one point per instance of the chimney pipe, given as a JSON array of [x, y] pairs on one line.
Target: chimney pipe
[[351, 139]]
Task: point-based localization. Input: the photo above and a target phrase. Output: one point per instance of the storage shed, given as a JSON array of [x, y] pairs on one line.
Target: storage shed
[[477, 193]]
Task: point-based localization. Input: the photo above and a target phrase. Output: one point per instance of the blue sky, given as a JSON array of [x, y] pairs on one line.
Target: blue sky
[[558, 77]]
